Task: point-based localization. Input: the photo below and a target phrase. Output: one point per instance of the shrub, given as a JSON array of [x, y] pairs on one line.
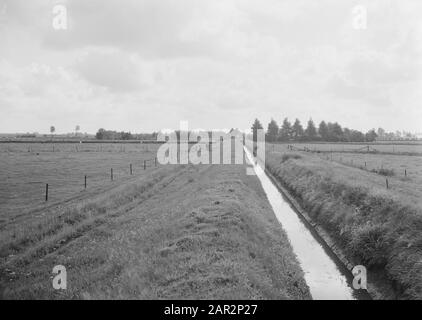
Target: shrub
[[384, 172], [370, 245], [290, 156]]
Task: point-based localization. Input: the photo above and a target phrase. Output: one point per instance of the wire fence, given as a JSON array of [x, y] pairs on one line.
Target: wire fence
[[405, 150], [75, 147], [59, 186], [362, 164]]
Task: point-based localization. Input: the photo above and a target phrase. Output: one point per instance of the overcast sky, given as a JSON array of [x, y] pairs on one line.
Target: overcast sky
[[145, 65]]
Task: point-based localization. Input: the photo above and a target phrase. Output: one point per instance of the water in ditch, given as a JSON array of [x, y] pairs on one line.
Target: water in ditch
[[324, 274]]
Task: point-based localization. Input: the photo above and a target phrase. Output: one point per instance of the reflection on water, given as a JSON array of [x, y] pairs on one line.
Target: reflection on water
[[322, 274]]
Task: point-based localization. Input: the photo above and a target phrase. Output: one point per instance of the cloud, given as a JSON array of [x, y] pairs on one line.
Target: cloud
[[144, 64], [372, 95], [151, 28], [114, 71]]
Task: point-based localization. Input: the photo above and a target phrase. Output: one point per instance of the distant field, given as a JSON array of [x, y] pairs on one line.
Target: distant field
[[76, 147], [404, 164], [175, 232], [404, 168], [382, 147], [27, 168], [376, 226]]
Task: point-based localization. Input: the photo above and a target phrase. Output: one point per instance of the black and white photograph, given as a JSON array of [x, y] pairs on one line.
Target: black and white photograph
[[210, 154]]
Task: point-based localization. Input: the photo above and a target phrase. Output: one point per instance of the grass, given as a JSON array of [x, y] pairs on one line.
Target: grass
[[379, 228], [24, 174], [404, 168], [399, 148], [180, 231], [286, 157], [384, 172]]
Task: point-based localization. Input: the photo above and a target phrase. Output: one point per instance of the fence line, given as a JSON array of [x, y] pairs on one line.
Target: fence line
[[340, 149], [381, 171], [112, 176], [49, 188]]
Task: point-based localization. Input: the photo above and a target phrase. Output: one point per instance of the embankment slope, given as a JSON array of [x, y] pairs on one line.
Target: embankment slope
[[192, 232], [375, 227]]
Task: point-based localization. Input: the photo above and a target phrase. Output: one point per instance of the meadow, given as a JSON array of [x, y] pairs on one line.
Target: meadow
[[388, 147], [27, 168], [167, 232], [377, 226], [404, 168], [404, 165]]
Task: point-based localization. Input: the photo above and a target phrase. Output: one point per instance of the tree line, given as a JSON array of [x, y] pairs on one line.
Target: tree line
[[103, 134], [326, 131]]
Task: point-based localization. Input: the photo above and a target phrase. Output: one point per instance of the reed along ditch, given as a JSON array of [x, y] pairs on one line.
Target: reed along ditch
[[325, 274]]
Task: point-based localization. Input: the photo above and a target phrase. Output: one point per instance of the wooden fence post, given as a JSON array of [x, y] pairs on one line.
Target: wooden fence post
[[386, 182], [85, 182], [111, 174], [145, 164], [131, 172], [405, 172], [46, 192]]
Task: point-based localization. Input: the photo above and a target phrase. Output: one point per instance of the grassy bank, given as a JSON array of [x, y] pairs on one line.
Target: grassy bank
[[179, 232], [375, 227]]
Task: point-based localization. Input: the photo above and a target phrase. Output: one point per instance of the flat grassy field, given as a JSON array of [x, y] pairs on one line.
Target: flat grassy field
[[377, 227], [404, 168], [176, 231], [24, 174], [392, 147]]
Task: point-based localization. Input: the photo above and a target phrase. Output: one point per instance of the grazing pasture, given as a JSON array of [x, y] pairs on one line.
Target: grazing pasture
[[405, 164], [373, 213], [175, 231], [405, 148], [404, 168], [25, 169]]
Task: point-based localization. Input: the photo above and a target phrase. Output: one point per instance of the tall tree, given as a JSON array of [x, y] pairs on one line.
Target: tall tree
[[285, 130], [297, 130], [323, 131], [381, 133], [335, 132], [357, 136], [52, 130], [272, 132], [310, 131], [371, 135], [100, 135], [347, 135], [256, 125]]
